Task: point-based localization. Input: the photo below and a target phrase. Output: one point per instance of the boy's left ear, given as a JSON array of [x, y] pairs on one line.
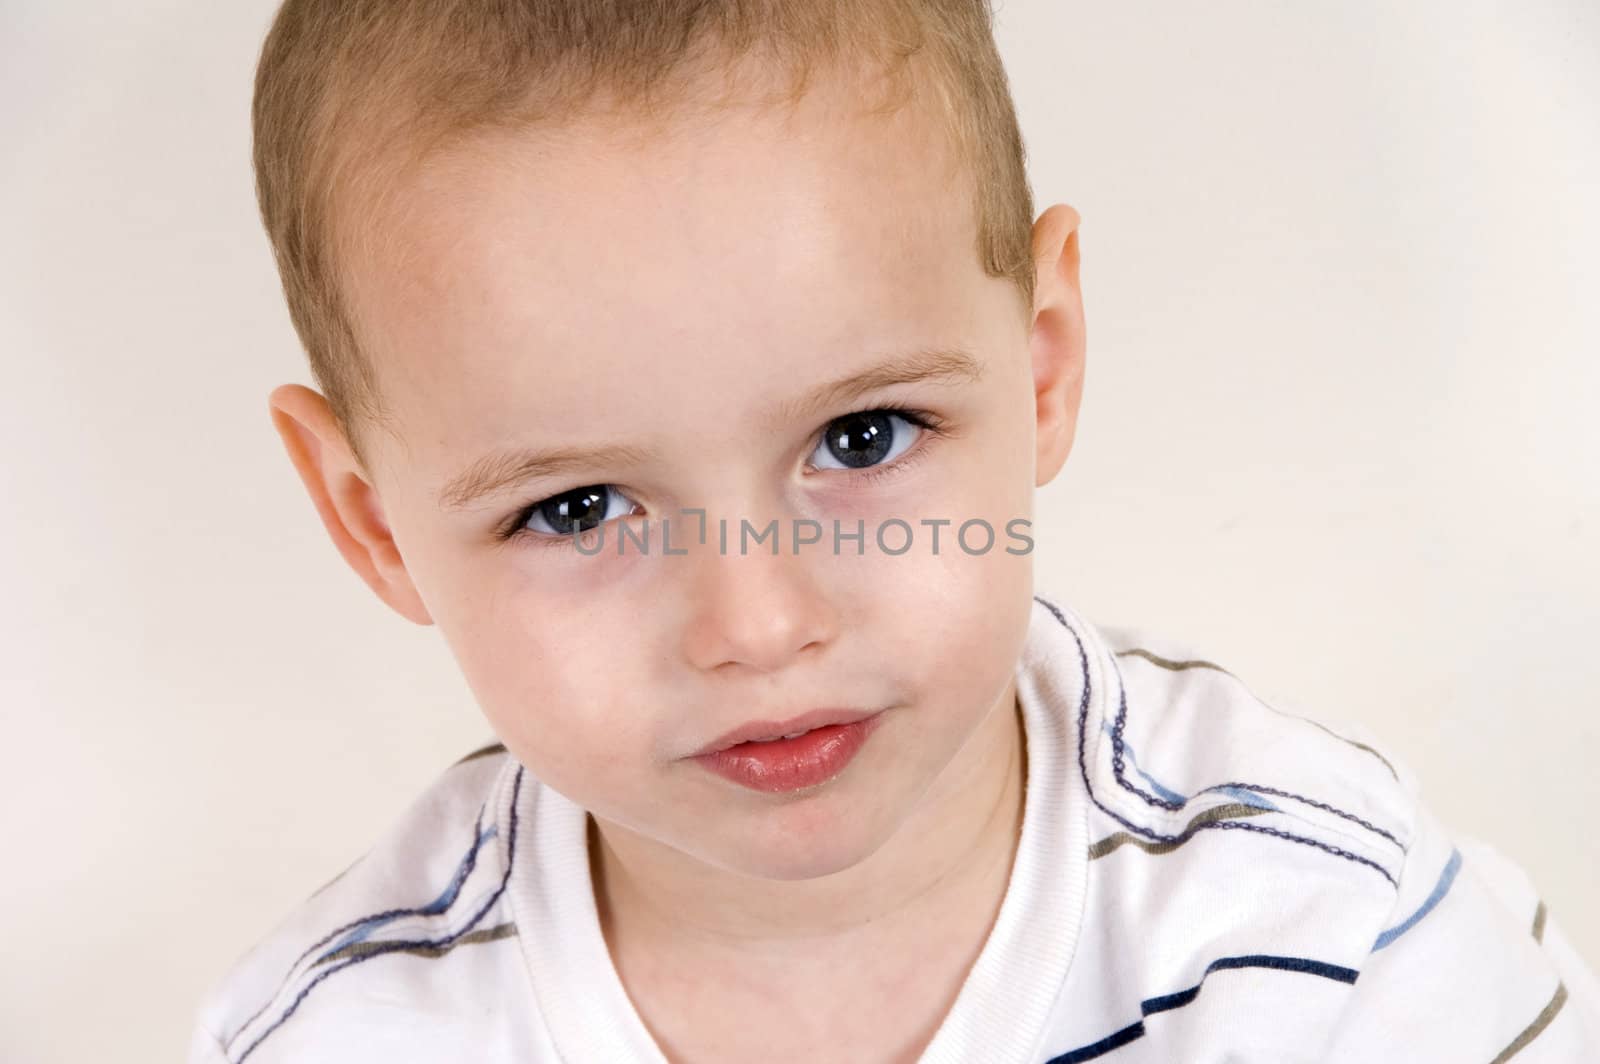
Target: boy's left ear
[[1056, 338]]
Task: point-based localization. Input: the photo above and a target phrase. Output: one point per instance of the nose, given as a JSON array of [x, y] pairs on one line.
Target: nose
[[756, 610]]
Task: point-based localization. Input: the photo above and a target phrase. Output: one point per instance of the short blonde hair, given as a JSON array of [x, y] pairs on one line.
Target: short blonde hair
[[351, 93]]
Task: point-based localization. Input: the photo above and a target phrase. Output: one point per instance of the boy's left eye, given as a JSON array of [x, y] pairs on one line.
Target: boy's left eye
[[867, 438]]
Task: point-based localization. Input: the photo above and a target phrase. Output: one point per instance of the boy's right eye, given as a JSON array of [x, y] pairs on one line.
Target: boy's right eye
[[572, 512]]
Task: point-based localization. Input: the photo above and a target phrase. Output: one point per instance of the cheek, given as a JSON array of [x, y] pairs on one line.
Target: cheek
[[950, 625], [556, 692]]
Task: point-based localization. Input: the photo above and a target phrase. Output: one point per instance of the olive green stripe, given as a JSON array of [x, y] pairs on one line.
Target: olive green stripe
[[492, 748], [1168, 663], [1533, 1030], [362, 949], [1231, 811], [1197, 663]]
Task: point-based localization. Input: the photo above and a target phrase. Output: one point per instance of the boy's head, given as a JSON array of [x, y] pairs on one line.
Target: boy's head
[[623, 236]]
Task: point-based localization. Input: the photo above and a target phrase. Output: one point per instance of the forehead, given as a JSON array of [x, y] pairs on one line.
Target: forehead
[[605, 267]]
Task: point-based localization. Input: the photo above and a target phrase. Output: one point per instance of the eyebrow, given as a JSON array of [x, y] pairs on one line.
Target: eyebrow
[[503, 469]]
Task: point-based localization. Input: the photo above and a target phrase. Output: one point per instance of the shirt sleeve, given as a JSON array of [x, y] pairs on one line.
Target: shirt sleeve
[[1469, 965]]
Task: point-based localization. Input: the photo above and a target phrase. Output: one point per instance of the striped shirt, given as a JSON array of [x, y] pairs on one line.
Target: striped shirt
[[1200, 878]]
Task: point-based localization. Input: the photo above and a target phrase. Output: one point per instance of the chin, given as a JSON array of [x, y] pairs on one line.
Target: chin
[[796, 847], [795, 866]]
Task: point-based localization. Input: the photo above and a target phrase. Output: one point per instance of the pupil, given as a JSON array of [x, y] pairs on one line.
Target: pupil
[[576, 511], [860, 440]]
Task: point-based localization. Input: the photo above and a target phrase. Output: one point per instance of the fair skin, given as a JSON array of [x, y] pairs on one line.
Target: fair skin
[[680, 295]]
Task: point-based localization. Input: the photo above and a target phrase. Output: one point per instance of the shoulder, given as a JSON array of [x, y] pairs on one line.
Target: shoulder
[[432, 881], [1182, 728], [1469, 964], [1211, 806], [1232, 830], [1172, 732]]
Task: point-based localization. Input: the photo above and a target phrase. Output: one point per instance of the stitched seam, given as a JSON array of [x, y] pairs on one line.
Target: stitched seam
[[1083, 768], [1118, 765], [405, 944]]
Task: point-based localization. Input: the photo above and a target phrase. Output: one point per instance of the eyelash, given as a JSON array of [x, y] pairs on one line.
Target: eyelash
[[930, 424]]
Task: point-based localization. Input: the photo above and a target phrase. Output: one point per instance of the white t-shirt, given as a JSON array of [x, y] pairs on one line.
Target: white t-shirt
[[1201, 878]]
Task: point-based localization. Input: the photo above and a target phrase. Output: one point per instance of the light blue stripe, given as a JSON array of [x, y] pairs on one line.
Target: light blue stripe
[[1250, 798], [447, 898], [1166, 793], [1447, 877]]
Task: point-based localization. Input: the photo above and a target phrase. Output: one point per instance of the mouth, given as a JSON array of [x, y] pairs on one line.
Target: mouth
[[768, 731], [806, 761]]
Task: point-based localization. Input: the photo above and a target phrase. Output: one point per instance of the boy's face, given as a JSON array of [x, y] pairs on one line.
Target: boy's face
[[673, 305]]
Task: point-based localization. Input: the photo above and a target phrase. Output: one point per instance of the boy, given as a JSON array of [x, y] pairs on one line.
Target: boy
[[692, 365]]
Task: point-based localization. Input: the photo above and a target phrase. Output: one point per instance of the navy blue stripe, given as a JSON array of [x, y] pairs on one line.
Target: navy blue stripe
[[1102, 1047], [1168, 1002], [1118, 770], [380, 948], [437, 907], [1083, 768], [439, 904], [1167, 663], [1239, 825], [1171, 1001], [1337, 972]]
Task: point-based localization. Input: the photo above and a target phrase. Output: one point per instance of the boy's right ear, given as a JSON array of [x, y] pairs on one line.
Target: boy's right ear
[[348, 505]]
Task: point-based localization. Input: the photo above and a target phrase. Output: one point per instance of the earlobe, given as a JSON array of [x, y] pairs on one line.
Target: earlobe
[[348, 505], [1056, 339]]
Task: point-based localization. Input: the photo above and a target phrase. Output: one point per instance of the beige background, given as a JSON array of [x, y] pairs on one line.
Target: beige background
[[1340, 264]]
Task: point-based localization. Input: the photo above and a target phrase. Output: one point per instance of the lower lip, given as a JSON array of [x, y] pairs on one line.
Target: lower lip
[[792, 764]]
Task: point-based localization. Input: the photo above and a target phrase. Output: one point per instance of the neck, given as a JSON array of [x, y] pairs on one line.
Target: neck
[[946, 867]]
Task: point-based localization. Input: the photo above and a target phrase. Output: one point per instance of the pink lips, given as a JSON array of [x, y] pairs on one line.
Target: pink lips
[[757, 730], [807, 760]]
